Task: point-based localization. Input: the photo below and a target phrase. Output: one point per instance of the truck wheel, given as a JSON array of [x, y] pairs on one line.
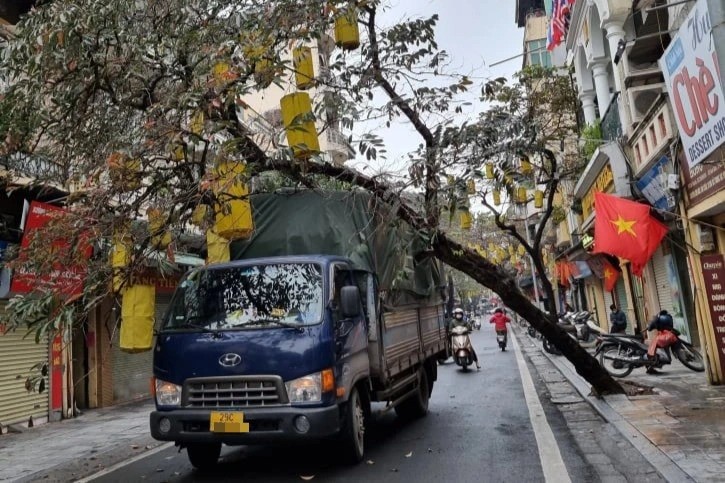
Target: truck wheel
[[353, 430], [203, 456], [416, 406]]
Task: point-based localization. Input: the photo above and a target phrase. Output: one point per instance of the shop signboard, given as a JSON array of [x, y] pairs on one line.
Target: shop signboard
[[67, 280], [690, 68], [653, 185], [713, 270]]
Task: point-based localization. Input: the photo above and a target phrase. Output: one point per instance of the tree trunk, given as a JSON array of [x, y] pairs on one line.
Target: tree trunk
[[488, 275]]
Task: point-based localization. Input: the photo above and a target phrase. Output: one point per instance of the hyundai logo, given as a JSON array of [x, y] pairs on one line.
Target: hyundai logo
[[230, 360]]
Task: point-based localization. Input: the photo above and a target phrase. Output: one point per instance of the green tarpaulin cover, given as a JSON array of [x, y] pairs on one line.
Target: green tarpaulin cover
[[350, 224]]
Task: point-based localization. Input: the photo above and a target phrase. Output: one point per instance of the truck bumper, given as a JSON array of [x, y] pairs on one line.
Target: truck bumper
[[266, 425]]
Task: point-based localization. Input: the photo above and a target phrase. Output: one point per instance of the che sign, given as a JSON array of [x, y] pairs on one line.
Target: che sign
[[692, 76]]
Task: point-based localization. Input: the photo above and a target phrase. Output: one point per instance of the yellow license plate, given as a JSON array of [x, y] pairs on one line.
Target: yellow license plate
[[228, 422]]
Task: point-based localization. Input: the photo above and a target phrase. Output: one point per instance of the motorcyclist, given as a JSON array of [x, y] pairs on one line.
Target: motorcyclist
[[499, 320], [459, 319], [664, 325]]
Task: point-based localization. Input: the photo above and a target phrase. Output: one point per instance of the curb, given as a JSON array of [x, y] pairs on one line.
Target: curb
[[658, 459]]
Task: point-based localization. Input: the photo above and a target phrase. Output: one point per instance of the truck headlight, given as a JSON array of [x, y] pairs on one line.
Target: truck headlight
[[307, 389], [167, 393]]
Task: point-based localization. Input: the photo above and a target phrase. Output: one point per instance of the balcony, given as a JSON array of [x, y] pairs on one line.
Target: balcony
[[611, 125], [653, 135], [337, 146]]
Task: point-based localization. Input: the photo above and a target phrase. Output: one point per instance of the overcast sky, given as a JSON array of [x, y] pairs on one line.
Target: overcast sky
[[476, 34]]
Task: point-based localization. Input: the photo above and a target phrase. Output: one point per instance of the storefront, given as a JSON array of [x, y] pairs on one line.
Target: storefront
[[18, 355]]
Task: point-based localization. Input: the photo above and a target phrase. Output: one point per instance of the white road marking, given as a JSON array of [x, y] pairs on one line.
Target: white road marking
[[551, 461], [127, 462]]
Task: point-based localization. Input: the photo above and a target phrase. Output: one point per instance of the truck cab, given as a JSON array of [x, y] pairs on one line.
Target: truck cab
[[262, 351]]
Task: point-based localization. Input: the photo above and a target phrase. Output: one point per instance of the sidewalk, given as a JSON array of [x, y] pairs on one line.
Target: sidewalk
[[81, 446], [679, 429]]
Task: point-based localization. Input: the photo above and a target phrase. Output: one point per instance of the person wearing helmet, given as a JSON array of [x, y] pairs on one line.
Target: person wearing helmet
[[459, 319], [500, 319], [664, 325]]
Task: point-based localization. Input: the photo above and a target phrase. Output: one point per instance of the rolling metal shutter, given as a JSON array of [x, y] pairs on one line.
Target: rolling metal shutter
[[664, 291], [132, 372], [17, 356]]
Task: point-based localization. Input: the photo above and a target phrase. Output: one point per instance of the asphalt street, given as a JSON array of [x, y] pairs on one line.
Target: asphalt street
[[478, 429]]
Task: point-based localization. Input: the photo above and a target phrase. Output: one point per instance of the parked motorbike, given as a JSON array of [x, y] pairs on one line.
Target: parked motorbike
[[576, 323], [620, 354], [461, 345]]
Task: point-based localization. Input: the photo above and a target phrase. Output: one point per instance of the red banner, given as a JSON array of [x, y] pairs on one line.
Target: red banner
[[56, 373], [68, 280]]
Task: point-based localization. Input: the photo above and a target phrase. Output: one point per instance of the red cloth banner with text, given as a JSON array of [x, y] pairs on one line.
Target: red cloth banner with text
[[68, 280]]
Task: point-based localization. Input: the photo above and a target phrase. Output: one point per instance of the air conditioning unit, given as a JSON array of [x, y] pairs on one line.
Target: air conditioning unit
[[642, 98], [639, 70]]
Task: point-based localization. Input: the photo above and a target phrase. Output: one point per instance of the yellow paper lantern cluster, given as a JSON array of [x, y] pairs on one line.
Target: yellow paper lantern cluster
[[137, 318], [304, 70], [538, 199], [465, 219], [301, 134], [347, 33], [160, 236], [121, 253], [234, 212], [217, 248]]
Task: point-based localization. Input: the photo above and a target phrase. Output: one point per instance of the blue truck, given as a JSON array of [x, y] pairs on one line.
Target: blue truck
[[330, 306]]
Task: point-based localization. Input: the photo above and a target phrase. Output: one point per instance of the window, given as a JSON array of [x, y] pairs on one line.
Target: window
[[537, 53]]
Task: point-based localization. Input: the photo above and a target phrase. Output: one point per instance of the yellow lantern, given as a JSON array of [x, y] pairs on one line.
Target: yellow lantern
[[522, 250], [198, 216], [223, 72], [121, 252], [521, 194], [489, 170], [177, 153], [160, 237], [196, 124], [496, 197], [137, 318], [525, 166], [511, 250], [347, 34], [125, 172], [217, 248], [465, 219], [538, 199], [471, 187], [304, 71], [301, 135], [234, 215]]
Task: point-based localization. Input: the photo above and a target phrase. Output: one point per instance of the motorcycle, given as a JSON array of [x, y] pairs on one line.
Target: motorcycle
[[476, 324], [576, 323], [620, 354], [501, 339], [461, 345]]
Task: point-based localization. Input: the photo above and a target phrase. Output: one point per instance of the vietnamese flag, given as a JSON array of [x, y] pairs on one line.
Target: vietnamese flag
[[625, 229], [611, 275], [656, 231]]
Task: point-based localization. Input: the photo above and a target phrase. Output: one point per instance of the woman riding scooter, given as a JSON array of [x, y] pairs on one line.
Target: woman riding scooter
[[458, 319], [500, 319]]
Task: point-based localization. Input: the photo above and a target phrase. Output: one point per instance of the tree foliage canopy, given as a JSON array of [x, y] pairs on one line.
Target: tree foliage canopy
[[135, 101]]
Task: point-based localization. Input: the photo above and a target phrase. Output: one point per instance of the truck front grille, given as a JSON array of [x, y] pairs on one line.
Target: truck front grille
[[234, 392]]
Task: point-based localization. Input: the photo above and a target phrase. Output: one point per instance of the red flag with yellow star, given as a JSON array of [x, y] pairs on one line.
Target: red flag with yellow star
[[621, 228], [656, 231], [611, 275]]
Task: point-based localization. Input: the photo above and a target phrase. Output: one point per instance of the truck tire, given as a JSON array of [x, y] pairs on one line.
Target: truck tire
[[203, 456], [416, 406], [352, 435]]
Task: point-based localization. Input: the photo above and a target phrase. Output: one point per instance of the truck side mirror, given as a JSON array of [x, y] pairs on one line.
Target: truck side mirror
[[350, 301]]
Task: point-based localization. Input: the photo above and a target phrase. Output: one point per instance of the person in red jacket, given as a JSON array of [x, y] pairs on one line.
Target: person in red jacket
[[500, 319]]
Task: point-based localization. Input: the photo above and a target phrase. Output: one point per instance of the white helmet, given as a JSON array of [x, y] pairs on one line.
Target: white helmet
[[458, 310]]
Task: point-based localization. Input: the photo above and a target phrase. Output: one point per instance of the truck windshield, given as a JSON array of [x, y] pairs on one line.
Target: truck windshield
[[283, 295]]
